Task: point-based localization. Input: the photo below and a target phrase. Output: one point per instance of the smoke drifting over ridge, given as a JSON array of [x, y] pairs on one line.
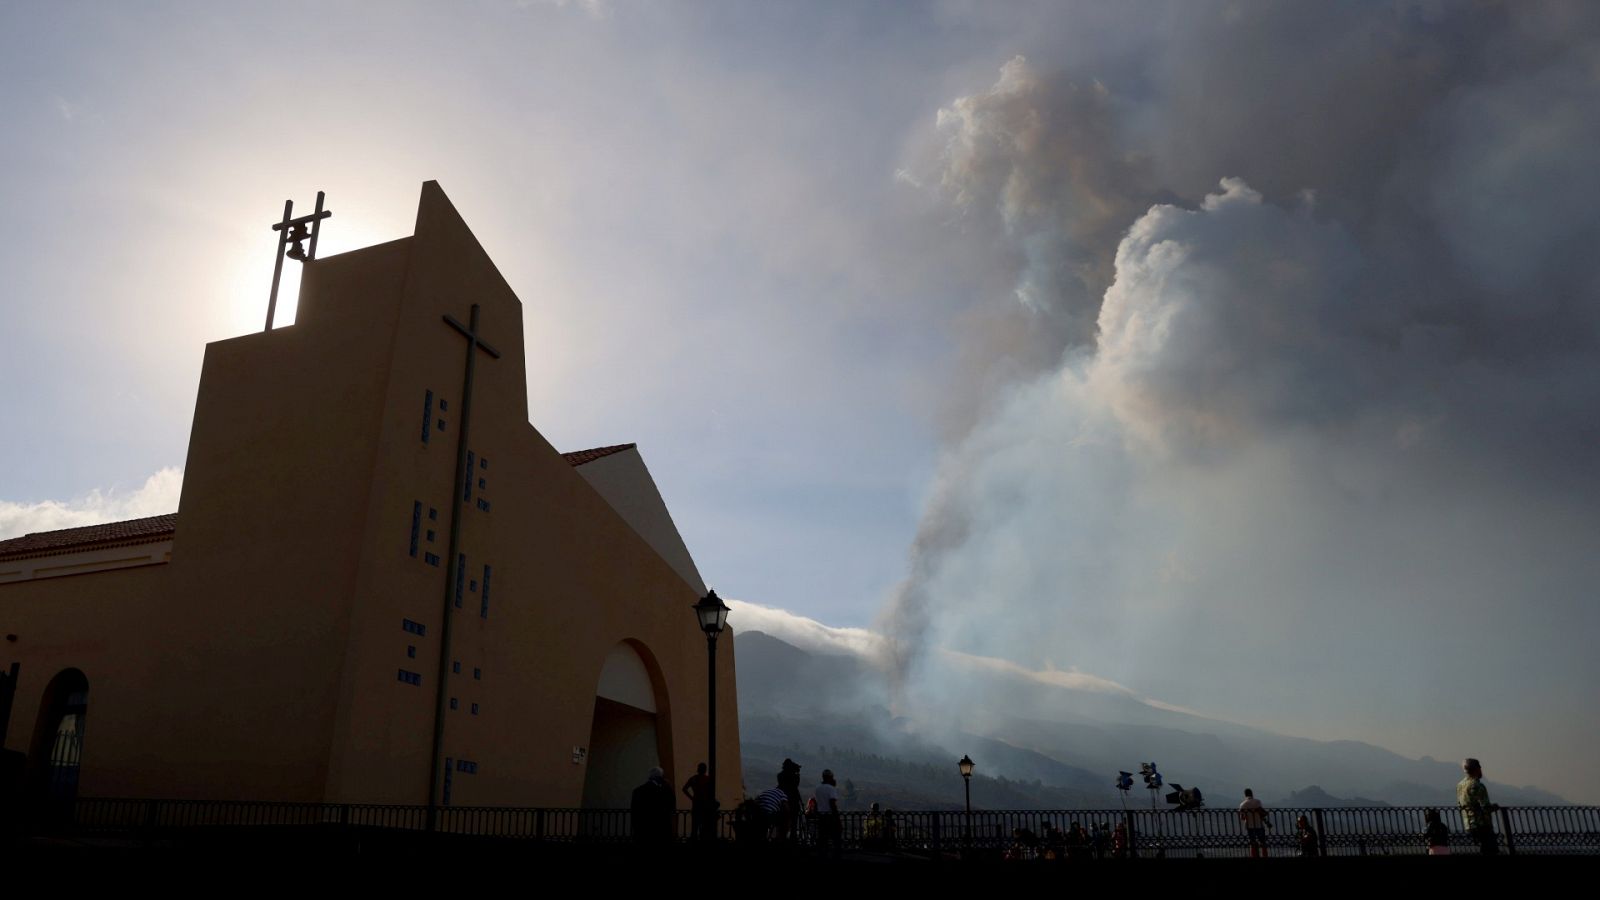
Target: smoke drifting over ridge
[[1300, 418]]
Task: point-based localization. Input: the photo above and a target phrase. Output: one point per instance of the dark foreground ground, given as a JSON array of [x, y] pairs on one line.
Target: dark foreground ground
[[236, 864]]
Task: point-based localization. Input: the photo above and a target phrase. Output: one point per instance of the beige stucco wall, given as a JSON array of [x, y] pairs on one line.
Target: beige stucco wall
[[624, 481], [82, 562], [263, 661]]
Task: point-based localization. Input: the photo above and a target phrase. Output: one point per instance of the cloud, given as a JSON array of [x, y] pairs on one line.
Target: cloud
[[806, 633], [596, 9], [814, 637], [157, 496], [1070, 679]]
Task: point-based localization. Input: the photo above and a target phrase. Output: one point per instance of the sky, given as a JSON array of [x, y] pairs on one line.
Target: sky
[[1243, 354]]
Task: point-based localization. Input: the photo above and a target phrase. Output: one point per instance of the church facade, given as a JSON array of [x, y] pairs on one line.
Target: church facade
[[283, 635]]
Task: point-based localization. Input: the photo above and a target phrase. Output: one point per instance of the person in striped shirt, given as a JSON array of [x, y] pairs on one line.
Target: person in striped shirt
[[774, 803]]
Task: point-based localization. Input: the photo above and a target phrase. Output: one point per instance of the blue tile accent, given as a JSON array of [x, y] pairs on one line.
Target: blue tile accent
[[477, 674], [433, 514], [483, 463], [440, 426], [427, 414], [444, 405], [456, 667], [411, 651], [483, 598], [483, 484], [416, 525], [483, 504], [472, 586], [431, 536], [474, 709], [410, 677], [466, 486], [416, 628], [454, 703], [432, 559]]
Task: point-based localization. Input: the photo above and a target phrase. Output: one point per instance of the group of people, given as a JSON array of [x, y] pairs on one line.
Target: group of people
[[1098, 841], [779, 813], [654, 810], [775, 814], [1253, 813], [1477, 815]]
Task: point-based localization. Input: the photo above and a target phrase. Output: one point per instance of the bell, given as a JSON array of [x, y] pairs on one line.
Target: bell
[[298, 251]]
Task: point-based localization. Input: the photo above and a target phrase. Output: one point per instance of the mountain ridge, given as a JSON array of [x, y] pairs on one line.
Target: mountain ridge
[[1046, 745]]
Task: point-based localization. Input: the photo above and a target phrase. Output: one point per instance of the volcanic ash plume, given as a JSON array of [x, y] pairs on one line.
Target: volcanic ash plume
[[1330, 429]]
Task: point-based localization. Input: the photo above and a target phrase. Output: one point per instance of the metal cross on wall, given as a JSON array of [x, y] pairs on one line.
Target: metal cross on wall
[[474, 344], [298, 231]]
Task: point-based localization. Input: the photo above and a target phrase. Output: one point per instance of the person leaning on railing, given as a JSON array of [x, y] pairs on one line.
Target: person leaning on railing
[[1307, 837], [1436, 835], [872, 829], [1477, 813]]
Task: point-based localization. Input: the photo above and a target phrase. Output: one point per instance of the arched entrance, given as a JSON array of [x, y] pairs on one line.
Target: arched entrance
[[630, 730], [57, 752]]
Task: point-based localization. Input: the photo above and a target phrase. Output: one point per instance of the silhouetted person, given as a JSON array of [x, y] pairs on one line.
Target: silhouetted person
[[1306, 836], [1024, 842], [775, 816], [830, 824], [749, 822], [13, 765], [1254, 817], [1053, 841], [653, 810], [1477, 813], [1077, 841], [872, 829], [1119, 841], [703, 804], [1100, 837], [1436, 834], [789, 783]]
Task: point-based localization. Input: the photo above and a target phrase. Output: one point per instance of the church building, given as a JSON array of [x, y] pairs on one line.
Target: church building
[[381, 584]]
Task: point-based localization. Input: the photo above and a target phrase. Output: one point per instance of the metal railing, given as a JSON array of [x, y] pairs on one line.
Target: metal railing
[[1360, 831]]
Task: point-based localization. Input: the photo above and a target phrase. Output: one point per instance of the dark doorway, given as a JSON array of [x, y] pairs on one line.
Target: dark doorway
[[57, 755]]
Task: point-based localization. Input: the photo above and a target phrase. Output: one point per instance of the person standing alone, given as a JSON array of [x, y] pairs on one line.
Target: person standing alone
[[1254, 817], [653, 810], [830, 837], [1477, 813], [703, 803]]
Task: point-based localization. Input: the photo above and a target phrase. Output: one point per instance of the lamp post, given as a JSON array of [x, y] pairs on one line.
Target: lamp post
[[713, 616], [966, 778]]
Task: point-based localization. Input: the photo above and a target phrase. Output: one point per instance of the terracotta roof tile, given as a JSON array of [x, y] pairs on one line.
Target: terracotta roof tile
[[132, 531], [579, 457]]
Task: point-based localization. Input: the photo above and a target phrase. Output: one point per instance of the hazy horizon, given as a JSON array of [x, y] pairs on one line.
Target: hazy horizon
[[1241, 354]]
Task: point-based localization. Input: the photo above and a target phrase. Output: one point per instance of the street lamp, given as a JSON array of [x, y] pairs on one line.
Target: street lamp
[[966, 778], [713, 616]]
